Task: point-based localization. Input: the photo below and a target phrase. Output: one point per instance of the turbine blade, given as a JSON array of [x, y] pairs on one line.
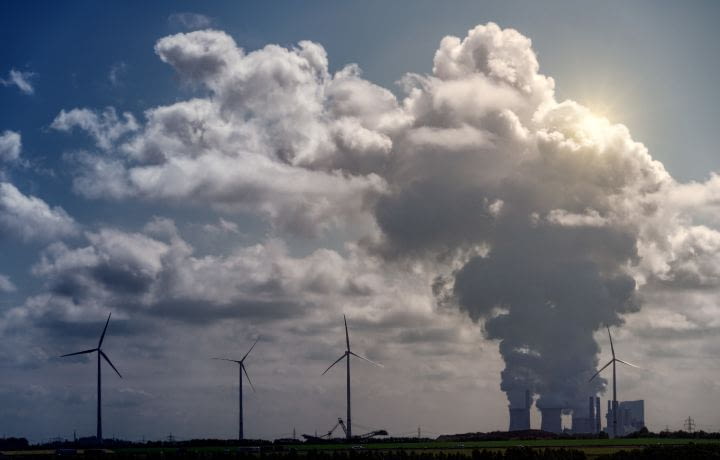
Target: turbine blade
[[347, 335], [248, 377], [338, 360], [110, 363], [225, 359], [612, 349], [601, 369], [631, 365], [253, 346], [362, 357], [79, 353], [102, 337]]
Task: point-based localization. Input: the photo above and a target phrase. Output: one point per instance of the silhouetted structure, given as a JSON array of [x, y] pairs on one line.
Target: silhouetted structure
[[520, 402], [241, 369], [551, 419], [630, 416], [348, 431], [99, 393], [590, 422], [613, 406]]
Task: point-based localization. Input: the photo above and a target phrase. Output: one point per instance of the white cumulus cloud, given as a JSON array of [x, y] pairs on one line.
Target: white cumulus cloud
[[10, 146], [104, 127], [20, 79], [30, 218]]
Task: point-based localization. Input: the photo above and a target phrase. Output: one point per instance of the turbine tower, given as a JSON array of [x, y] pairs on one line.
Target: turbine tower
[[99, 393], [241, 369], [346, 355], [614, 401]]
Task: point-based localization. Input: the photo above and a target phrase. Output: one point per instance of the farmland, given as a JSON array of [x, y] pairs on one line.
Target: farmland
[[422, 450]]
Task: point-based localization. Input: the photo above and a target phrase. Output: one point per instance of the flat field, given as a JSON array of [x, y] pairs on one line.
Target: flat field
[[592, 448], [567, 443]]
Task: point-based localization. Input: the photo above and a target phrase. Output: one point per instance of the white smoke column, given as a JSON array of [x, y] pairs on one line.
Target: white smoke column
[[541, 200]]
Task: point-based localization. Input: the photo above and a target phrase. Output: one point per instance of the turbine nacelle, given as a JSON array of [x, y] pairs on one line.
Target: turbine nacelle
[[348, 351], [98, 349], [613, 360], [241, 362]]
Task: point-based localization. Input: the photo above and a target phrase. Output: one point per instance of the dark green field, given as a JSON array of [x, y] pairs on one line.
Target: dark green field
[[591, 448], [568, 443]]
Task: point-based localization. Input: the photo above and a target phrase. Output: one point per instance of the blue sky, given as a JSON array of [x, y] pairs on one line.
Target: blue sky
[[399, 215]]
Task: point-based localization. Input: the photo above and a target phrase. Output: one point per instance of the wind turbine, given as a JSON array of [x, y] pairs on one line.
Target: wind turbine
[[613, 361], [347, 354], [241, 369], [99, 393]]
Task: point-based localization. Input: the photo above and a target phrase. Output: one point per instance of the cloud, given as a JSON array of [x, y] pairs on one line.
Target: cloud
[[222, 226], [6, 285], [479, 204], [29, 218], [277, 136], [10, 146], [104, 127], [19, 79], [190, 21], [140, 274], [563, 251], [117, 72]]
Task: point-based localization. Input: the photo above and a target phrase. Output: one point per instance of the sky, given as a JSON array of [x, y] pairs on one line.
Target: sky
[[480, 187]]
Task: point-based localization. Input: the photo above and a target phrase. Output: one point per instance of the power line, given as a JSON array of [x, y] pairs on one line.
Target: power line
[[689, 424]]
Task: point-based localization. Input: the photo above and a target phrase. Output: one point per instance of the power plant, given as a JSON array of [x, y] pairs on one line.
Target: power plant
[[622, 417], [630, 416], [590, 422]]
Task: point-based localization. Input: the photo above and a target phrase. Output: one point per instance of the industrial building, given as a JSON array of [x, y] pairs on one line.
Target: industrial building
[[588, 422], [630, 417]]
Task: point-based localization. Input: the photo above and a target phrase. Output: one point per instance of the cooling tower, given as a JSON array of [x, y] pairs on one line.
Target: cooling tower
[[520, 402], [551, 419]]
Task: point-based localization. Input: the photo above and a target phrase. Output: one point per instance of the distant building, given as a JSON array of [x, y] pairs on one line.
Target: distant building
[[551, 419], [587, 422], [520, 402], [631, 417]]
